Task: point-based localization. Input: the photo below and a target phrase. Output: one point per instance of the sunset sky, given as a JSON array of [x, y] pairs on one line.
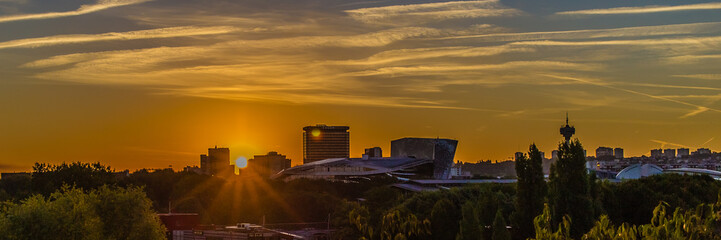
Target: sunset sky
[[152, 83]]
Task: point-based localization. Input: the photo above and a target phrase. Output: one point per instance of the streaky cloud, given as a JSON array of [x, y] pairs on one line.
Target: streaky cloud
[[84, 9], [695, 112], [701, 76], [643, 9], [611, 86], [431, 12], [640, 31], [132, 35]]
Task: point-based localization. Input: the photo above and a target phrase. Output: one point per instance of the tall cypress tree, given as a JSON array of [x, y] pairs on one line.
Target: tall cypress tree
[[530, 193], [500, 232], [569, 190]]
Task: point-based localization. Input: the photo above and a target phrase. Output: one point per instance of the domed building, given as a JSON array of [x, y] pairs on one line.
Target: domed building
[[637, 171]]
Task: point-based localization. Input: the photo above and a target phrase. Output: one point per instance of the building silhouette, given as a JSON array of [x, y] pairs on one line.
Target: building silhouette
[[322, 142], [683, 152], [441, 151], [657, 153], [216, 162], [618, 153], [374, 152], [669, 153], [604, 152], [269, 164], [567, 131]]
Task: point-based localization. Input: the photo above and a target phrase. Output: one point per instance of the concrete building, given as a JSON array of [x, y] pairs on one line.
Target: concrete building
[[374, 152], [269, 164], [683, 152], [324, 142], [618, 153], [669, 153], [216, 162], [441, 151]]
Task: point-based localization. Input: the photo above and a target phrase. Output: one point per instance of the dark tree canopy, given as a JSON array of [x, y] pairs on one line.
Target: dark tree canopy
[[569, 189], [531, 191]]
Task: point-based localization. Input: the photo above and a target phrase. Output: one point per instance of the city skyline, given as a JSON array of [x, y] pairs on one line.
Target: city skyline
[[152, 83]]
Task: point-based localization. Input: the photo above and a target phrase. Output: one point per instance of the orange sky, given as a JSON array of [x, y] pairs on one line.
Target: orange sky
[[152, 83]]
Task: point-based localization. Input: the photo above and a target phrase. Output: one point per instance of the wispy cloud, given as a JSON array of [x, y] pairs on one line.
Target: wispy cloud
[[84, 9], [643, 9], [436, 70], [638, 42], [424, 12], [610, 86], [416, 54], [695, 112], [641, 31], [132, 35], [701, 76], [664, 143]]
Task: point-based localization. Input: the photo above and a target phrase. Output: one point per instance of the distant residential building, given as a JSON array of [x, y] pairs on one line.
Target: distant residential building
[[703, 151], [269, 164], [458, 173], [669, 153], [194, 169], [323, 142], [656, 153], [683, 152], [604, 152], [374, 152], [618, 153], [216, 162], [554, 155], [517, 156], [543, 155]]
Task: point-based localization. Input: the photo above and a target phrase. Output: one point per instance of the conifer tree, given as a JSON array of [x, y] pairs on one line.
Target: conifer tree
[[569, 190], [531, 190]]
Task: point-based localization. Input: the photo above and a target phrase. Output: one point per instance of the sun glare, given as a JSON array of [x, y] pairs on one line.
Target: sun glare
[[241, 162], [315, 132]]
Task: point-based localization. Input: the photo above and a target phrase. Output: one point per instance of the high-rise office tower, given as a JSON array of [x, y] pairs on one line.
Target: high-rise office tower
[[323, 142], [216, 161]]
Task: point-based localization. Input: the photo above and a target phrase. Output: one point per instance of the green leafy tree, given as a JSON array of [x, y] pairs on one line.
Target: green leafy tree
[[543, 226], [470, 228], [126, 213], [500, 232], [531, 190], [70, 213], [569, 189], [444, 220]]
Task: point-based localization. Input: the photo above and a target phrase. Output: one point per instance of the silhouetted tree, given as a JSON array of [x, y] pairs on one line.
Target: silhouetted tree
[[500, 232], [470, 228], [49, 178], [531, 190], [444, 220], [569, 190]]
